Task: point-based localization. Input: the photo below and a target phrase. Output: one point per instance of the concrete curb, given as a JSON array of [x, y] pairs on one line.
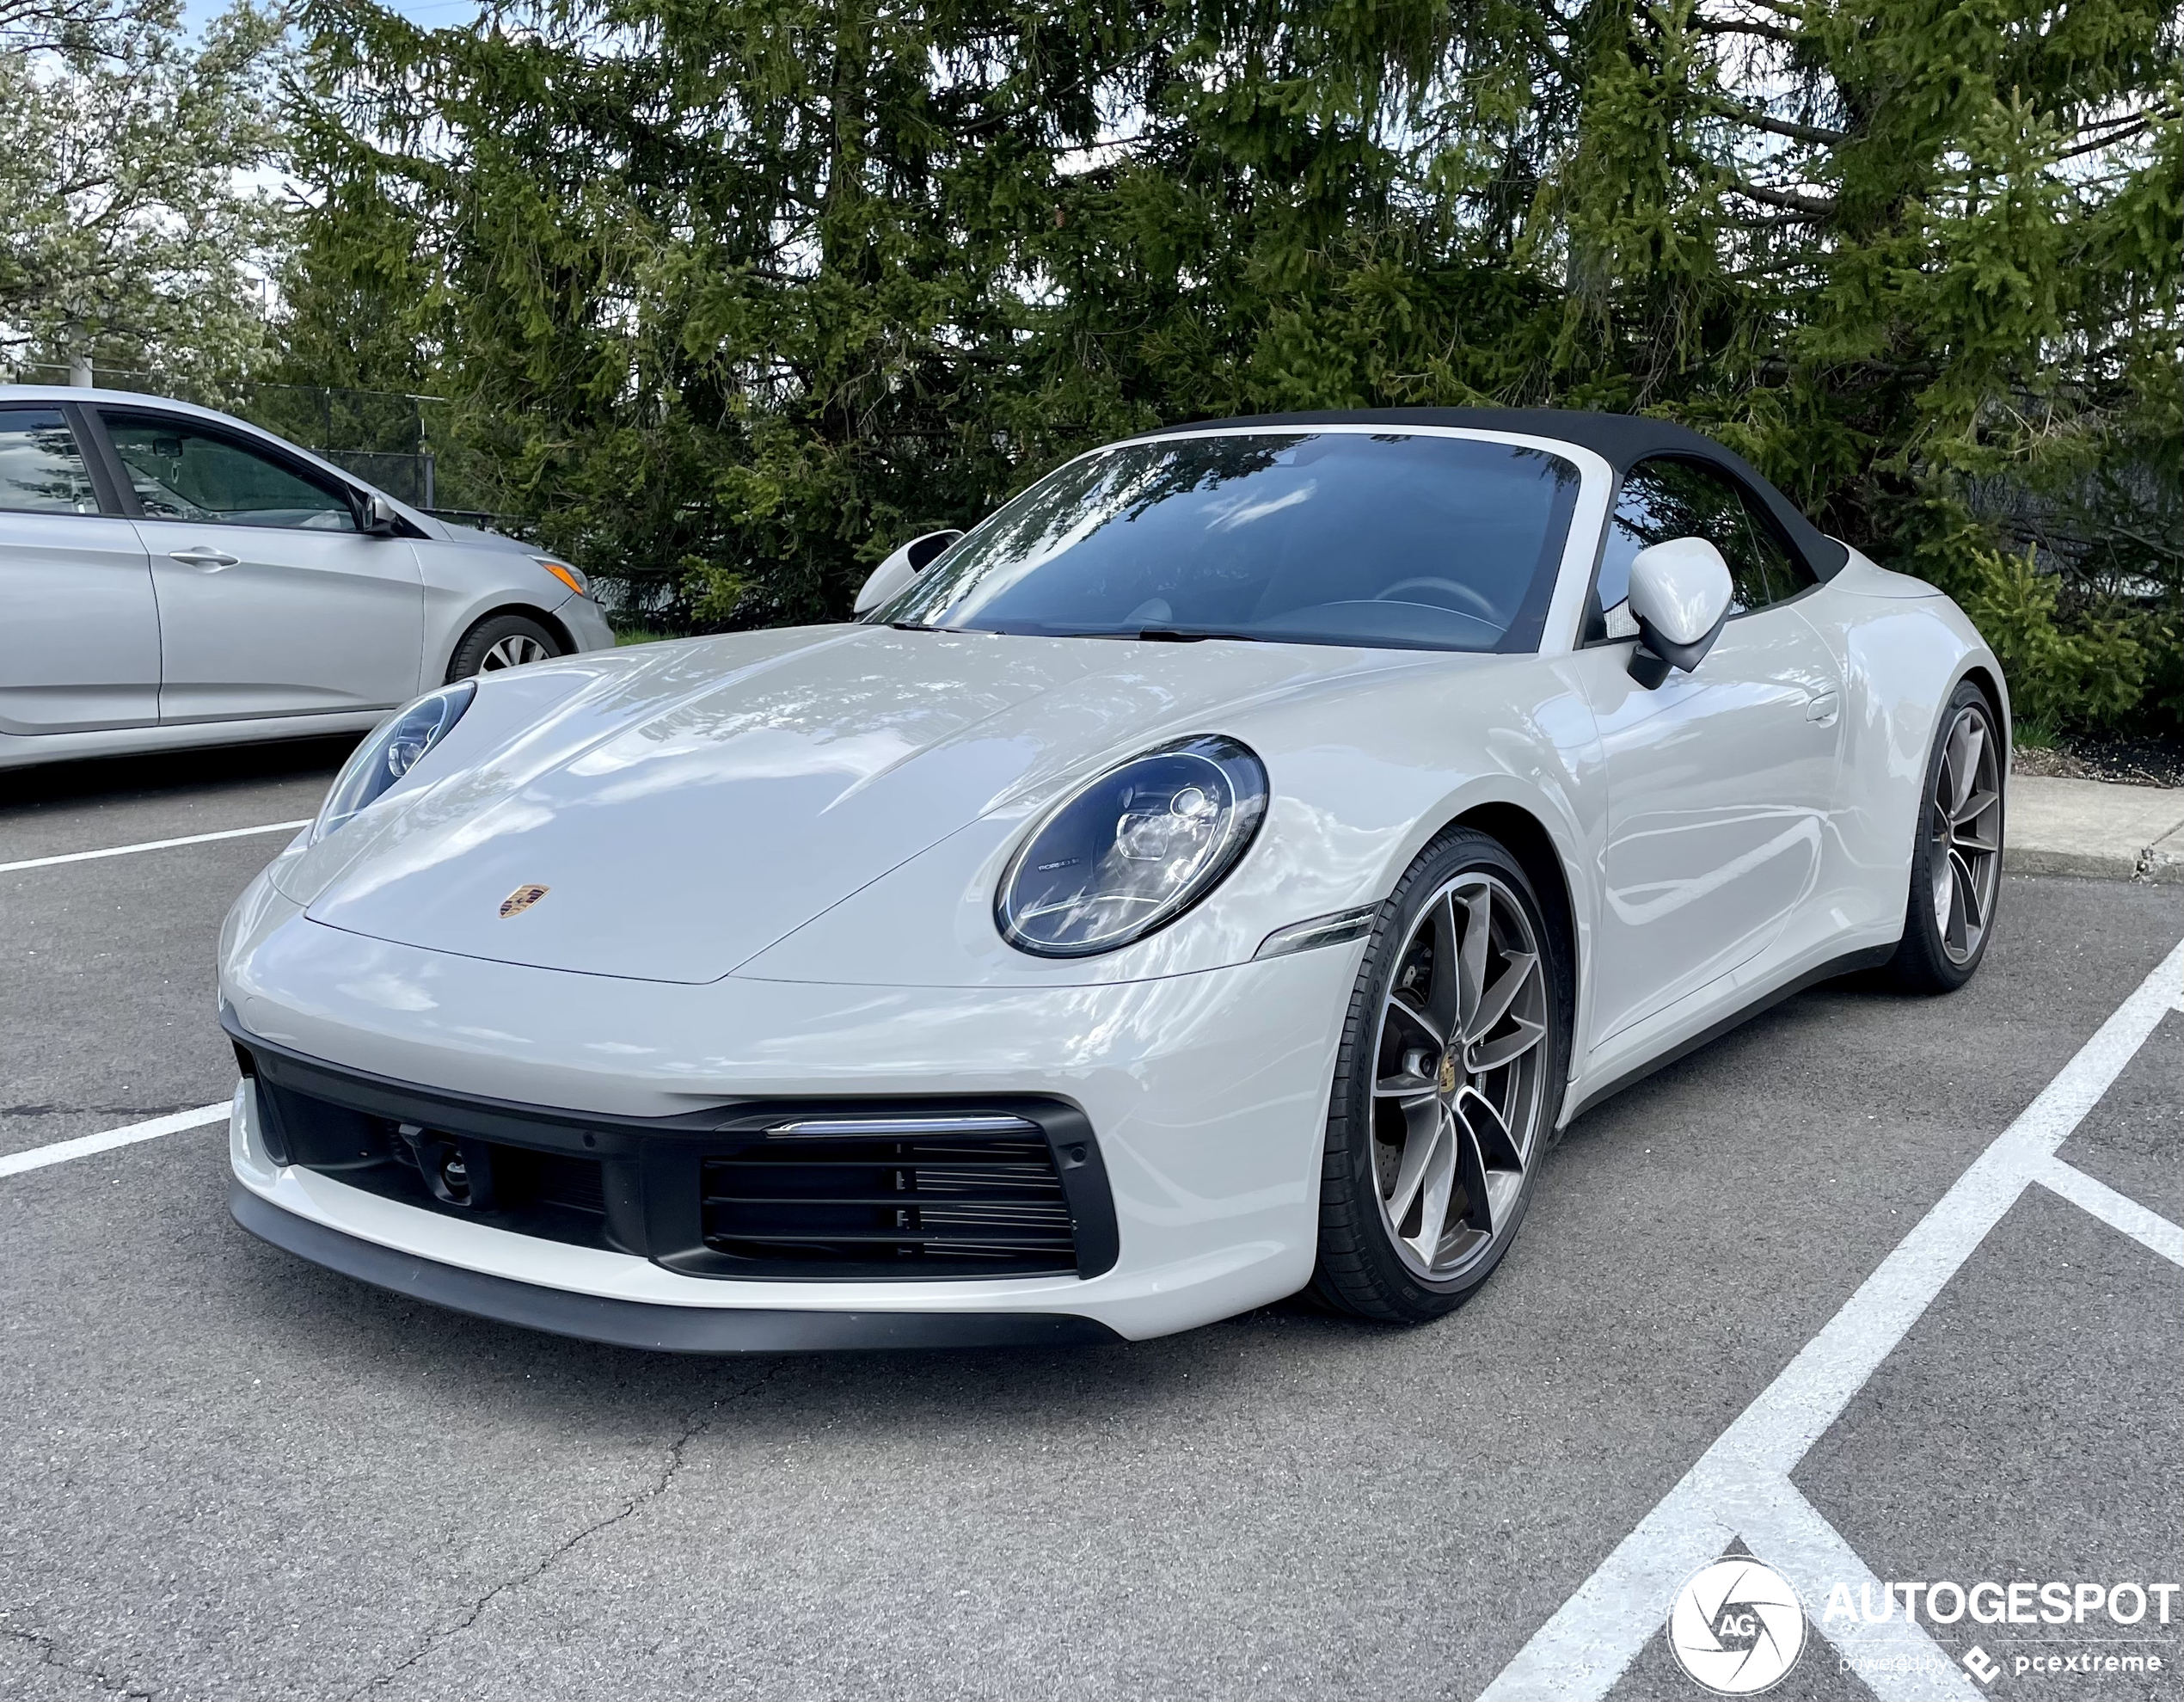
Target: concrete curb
[[2094, 828]]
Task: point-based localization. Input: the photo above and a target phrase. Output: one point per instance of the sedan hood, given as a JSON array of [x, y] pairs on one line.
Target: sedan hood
[[691, 806]]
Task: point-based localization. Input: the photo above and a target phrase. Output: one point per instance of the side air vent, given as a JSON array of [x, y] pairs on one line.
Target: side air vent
[[904, 1196]]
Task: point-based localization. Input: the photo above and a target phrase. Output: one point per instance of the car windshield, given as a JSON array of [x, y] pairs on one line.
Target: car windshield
[[1383, 540]]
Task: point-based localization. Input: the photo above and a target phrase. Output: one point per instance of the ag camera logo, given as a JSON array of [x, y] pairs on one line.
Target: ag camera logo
[[1737, 1628]]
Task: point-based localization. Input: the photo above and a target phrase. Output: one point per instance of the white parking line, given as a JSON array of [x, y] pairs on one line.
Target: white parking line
[[153, 845], [2118, 1210], [60, 1151], [1741, 1486]]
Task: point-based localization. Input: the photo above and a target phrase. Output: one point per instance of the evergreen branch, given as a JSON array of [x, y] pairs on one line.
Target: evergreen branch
[[1767, 32], [1758, 119], [1806, 206], [2108, 132], [2136, 127]]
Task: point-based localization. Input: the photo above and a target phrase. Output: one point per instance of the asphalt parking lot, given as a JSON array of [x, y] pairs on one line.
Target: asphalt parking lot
[[229, 1474]]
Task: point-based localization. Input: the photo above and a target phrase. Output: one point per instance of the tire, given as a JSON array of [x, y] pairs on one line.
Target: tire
[[1956, 859], [502, 642], [1480, 1115]]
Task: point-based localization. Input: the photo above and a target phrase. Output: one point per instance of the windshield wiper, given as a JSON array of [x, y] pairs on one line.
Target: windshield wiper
[[1173, 635]]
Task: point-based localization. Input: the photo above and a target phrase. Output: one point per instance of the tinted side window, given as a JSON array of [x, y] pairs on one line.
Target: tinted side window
[[41, 469], [1661, 500], [181, 473]]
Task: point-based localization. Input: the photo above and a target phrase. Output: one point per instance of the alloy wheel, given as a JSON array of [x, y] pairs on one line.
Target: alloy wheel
[[1458, 1090], [514, 651], [1965, 848]]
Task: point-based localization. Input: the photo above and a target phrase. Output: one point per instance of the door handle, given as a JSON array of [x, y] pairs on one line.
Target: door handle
[[202, 558], [1822, 707]]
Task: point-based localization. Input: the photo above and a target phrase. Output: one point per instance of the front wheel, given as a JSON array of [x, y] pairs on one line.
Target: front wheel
[[1956, 860], [502, 642], [1445, 1087]]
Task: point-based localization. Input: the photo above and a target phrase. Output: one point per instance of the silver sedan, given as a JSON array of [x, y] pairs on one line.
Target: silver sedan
[[175, 577]]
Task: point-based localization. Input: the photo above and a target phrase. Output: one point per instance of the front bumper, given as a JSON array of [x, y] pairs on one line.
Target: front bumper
[[1206, 1095], [634, 1324]]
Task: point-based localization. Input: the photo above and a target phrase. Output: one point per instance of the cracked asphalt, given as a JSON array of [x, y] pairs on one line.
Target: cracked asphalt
[[229, 1474]]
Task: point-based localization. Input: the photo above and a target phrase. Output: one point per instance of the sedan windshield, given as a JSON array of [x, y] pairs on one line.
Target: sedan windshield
[[1314, 538]]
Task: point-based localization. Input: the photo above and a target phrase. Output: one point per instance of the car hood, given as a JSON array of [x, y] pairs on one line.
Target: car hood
[[685, 809]]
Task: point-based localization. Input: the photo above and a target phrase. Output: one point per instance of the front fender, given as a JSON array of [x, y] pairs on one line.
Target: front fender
[[1363, 774]]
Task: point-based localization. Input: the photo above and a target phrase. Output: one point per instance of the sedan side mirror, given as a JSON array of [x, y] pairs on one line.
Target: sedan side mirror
[[1679, 595], [380, 517], [904, 566]]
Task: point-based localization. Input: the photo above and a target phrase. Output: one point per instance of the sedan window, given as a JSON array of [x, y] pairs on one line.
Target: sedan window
[[1386, 539], [41, 469], [182, 473]]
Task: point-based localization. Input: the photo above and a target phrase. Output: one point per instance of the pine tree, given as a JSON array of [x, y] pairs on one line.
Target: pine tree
[[737, 293]]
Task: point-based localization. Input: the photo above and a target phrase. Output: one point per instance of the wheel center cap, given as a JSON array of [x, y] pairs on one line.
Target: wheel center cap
[[1448, 1071]]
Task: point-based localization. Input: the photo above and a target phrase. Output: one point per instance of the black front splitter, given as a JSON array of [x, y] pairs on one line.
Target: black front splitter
[[639, 1324]]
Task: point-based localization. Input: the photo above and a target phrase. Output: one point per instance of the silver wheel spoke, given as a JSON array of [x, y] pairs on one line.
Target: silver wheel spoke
[[1494, 1005], [1430, 1187], [1965, 767], [1445, 1003], [1477, 918], [1494, 1053], [1953, 928], [1502, 1160], [1967, 891], [1498, 1145], [1419, 1021], [1479, 1206]]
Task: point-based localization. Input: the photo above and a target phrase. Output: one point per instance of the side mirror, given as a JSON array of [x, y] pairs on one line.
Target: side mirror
[[904, 566], [1679, 595], [380, 517]]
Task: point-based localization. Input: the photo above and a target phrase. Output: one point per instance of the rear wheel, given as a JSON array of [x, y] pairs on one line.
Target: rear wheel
[[1956, 862], [502, 642], [1445, 1087]]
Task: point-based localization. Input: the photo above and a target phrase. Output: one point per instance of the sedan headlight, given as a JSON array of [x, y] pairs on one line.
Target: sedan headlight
[[395, 747], [1133, 850], [575, 578]]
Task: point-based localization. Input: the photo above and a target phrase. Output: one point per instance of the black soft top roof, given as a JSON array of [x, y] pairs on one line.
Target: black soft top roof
[[1621, 439]]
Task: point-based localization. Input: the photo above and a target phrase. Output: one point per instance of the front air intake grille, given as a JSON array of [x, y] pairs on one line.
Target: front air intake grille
[[770, 1190], [923, 1196]]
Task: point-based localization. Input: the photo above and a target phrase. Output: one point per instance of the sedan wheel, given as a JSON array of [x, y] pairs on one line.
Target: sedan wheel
[[502, 642], [1445, 1095], [513, 651]]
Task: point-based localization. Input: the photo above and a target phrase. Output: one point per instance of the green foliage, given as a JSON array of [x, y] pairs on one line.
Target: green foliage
[[735, 294], [127, 237]]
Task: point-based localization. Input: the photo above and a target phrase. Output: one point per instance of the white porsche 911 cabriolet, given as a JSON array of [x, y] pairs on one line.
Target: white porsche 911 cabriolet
[[1218, 873]]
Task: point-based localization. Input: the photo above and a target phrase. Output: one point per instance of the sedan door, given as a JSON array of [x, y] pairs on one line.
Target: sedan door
[[271, 601], [79, 635], [1720, 782]]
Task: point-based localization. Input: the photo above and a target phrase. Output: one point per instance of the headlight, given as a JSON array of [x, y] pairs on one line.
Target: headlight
[[396, 746], [575, 578], [1134, 849]]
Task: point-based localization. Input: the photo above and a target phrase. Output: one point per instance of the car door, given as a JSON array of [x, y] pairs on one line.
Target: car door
[[1719, 782], [79, 633], [271, 602]]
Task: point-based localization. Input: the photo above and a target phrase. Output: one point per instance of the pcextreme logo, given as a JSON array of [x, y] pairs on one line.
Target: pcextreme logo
[[1737, 1628]]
